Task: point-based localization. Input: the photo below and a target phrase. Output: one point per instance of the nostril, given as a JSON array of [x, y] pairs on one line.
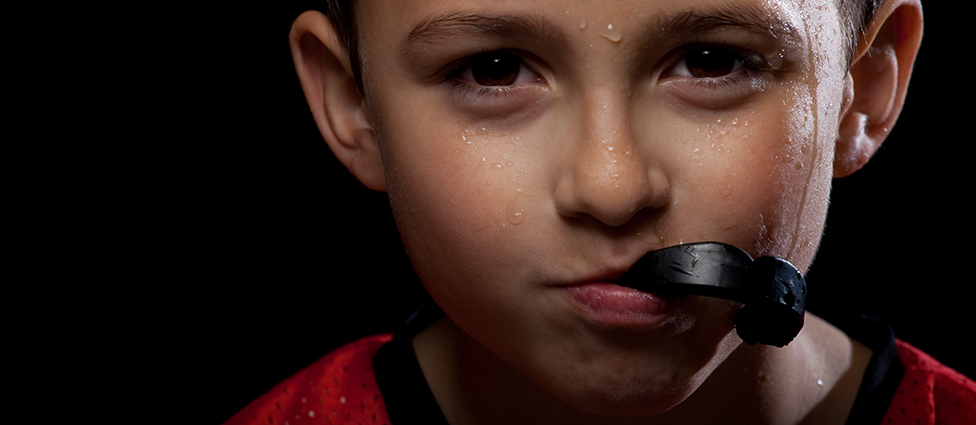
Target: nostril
[[615, 199]]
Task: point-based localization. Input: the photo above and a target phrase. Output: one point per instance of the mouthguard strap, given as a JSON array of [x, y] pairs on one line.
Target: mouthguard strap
[[772, 291]]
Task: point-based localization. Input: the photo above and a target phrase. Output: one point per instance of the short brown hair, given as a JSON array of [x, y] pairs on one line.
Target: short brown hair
[[854, 18]]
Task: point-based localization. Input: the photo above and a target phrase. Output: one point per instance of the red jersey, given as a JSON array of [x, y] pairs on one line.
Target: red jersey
[[902, 385], [339, 388], [930, 392]]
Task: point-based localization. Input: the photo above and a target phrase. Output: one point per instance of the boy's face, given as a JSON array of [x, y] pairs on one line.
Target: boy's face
[[526, 179]]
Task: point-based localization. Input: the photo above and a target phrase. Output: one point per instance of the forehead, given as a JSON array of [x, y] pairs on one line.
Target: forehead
[[552, 20]]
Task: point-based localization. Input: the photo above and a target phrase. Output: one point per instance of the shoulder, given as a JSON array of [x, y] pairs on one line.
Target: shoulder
[[931, 392], [338, 388]]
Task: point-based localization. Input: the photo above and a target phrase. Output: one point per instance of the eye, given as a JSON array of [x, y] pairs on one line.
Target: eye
[[713, 61], [495, 83], [710, 63], [495, 69], [715, 76]]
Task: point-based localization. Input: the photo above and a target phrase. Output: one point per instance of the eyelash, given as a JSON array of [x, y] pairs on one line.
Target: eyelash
[[479, 90]]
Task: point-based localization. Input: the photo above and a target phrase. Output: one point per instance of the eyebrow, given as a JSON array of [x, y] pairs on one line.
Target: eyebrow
[[676, 26], [447, 25], [691, 23]]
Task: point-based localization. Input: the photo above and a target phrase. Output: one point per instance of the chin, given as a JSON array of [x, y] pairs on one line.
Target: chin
[[627, 390], [648, 386], [630, 401]]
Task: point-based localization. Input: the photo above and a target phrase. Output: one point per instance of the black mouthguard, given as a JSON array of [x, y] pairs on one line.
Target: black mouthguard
[[772, 291]]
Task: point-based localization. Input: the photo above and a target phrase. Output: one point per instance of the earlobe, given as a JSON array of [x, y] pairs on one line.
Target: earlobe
[[876, 85], [337, 106]]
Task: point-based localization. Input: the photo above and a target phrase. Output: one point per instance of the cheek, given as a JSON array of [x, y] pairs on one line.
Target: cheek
[[486, 183], [458, 195], [476, 181], [788, 180], [752, 178]]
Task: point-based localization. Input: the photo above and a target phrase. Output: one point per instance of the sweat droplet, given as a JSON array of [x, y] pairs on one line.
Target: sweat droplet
[[725, 189], [515, 216], [612, 33], [582, 23], [515, 210]]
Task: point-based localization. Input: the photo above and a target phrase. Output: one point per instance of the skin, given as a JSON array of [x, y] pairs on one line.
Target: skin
[[607, 144]]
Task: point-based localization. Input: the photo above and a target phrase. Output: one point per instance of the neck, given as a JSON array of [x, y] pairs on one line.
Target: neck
[[811, 381]]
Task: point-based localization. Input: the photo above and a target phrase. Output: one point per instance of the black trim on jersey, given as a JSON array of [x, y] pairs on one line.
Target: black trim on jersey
[[405, 391]]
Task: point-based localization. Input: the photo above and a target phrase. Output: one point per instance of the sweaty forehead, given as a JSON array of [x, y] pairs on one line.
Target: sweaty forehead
[[413, 22]]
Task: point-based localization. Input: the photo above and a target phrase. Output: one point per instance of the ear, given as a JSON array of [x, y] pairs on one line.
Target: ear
[[337, 105], [875, 87]]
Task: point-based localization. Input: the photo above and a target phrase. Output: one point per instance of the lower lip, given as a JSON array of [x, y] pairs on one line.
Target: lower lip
[[615, 305]]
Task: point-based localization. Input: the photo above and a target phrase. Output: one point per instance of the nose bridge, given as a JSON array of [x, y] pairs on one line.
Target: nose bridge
[[610, 177]]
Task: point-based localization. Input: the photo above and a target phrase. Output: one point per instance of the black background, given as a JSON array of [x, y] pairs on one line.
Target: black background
[[242, 250]]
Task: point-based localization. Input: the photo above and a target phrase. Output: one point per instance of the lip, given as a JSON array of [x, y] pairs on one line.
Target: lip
[[613, 305]]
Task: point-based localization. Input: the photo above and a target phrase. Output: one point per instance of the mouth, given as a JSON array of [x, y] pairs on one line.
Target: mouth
[[609, 304], [772, 291]]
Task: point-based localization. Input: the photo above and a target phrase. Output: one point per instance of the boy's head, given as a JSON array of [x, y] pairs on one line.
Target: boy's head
[[533, 151]]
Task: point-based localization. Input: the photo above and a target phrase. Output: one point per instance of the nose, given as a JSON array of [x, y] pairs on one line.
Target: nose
[[612, 176]]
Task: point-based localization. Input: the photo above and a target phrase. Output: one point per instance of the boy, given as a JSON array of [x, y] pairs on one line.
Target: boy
[[534, 152]]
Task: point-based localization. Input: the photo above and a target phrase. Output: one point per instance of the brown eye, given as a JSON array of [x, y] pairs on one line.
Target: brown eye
[[711, 62], [495, 69]]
